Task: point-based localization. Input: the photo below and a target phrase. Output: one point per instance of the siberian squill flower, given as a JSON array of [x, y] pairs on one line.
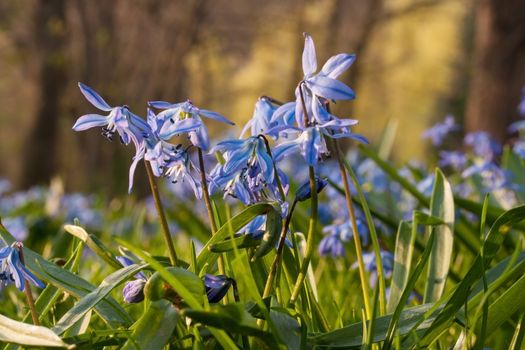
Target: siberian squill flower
[[161, 154], [483, 145], [133, 291], [339, 233], [454, 159], [369, 258], [130, 127], [261, 120], [217, 287], [179, 112], [13, 271], [439, 131], [247, 172], [321, 86], [303, 192]]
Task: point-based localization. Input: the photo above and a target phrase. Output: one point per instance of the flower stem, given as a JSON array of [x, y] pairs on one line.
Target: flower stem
[[309, 239], [209, 208], [275, 172], [278, 255], [355, 233], [27, 289], [162, 216]]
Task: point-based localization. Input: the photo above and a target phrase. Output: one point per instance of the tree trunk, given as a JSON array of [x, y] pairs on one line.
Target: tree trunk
[[49, 31], [498, 73]]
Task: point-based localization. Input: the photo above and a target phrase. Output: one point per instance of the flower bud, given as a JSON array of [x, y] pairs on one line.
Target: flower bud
[[303, 193], [216, 287], [134, 291]]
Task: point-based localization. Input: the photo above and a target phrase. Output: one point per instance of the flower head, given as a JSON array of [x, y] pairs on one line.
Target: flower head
[[303, 192], [186, 112], [130, 127], [13, 271], [439, 131], [133, 291], [217, 287], [248, 171]]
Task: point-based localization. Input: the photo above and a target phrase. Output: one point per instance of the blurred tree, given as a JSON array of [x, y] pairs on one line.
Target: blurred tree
[[50, 34], [498, 74]]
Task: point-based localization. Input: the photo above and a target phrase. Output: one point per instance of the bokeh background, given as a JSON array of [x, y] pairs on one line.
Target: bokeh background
[[418, 60]]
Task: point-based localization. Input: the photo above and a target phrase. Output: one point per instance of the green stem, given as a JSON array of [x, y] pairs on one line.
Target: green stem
[[278, 256], [209, 208], [309, 239], [27, 288], [275, 172], [355, 233], [162, 216]]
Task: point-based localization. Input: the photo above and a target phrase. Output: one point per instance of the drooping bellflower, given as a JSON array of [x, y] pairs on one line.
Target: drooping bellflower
[[179, 112], [216, 287], [13, 271], [438, 132]]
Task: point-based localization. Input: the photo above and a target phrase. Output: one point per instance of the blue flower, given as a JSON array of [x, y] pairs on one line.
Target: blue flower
[[439, 131], [13, 271], [519, 149], [339, 233], [182, 170], [483, 145], [492, 176], [261, 120], [17, 227], [129, 126], [370, 263], [217, 287], [179, 112], [454, 159], [303, 192], [247, 172], [311, 140], [133, 291]]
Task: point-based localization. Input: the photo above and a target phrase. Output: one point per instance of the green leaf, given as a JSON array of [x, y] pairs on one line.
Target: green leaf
[[352, 336], [108, 309], [490, 247], [231, 318], [442, 207], [273, 228], [154, 328], [404, 251], [427, 219], [233, 225], [94, 244], [93, 298], [12, 331], [179, 287], [228, 245]]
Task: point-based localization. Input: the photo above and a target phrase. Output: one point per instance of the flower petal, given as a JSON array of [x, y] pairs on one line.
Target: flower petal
[[162, 104], [94, 98], [170, 129], [329, 88], [309, 57], [215, 116], [89, 121], [337, 64]]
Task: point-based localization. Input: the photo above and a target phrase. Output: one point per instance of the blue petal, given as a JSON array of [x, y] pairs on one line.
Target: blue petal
[[242, 193], [350, 135], [214, 116], [329, 88], [310, 146], [200, 138], [319, 112], [337, 64], [16, 273], [309, 58], [284, 149], [339, 123], [28, 275], [169, 129], [265, 162], [162, 104], [4, 252], [94, 98], [228, 145], [89, 121], [284, 114], [138, 156]]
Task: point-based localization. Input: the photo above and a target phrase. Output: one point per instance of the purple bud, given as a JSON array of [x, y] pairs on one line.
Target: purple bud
[[216, 287], [303, 193], [134, 291]]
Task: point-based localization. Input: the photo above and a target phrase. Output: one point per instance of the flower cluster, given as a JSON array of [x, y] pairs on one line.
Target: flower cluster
[[152, 138]]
